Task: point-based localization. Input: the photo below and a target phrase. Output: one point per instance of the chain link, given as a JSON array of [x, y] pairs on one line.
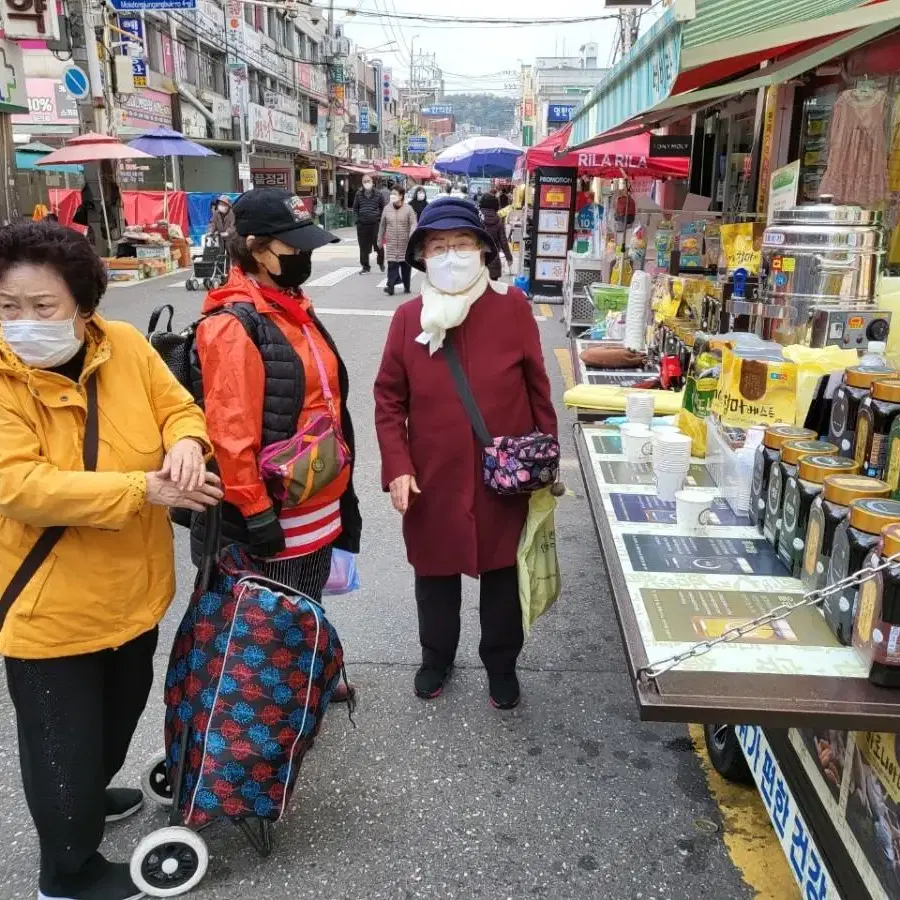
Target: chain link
[[657, 669]]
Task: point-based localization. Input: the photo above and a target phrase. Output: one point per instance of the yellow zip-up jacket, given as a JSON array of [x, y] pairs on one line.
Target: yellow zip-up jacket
[[111, 577]]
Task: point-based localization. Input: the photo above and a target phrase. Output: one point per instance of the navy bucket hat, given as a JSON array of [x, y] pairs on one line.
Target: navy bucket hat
[[447, 214]]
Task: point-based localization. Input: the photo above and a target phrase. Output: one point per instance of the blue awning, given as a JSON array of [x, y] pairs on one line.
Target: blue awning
[[29, 155]]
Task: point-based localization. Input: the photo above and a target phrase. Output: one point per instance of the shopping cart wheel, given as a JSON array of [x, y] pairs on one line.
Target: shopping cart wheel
[[726, 755], [169, 862], [155, 781], [207, 283], [215, 282]]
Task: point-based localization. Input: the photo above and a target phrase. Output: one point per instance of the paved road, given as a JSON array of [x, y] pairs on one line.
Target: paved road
[[570, 796]]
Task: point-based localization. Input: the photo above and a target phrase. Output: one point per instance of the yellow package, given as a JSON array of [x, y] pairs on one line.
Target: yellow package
[[695, 428], [812, 364], [741, 245], [755, 391]]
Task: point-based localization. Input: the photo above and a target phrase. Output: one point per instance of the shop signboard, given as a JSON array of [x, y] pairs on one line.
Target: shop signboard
[[146, 109], [553, 215], [438, 109], [29, 20], [147, 5], [364, 117], [193, 122], [417, 143], [49, 103], [134, 25], [271, 178], [309, 178], [560, 112], [238, 88], [766, 150], [234, 21], [271, 126], [221, 110], [784, 186]]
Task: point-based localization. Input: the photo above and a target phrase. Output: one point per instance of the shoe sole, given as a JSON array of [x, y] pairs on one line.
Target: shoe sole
[[505, 707], [138, 896], [423, 696], [126, 814]]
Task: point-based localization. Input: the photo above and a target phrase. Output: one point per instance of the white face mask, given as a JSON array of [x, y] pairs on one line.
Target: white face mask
[[42, 344], [455, 271], [395, 199], [367, 185]]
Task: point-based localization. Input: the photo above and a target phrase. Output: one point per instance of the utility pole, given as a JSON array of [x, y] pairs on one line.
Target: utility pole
[[329, 55]]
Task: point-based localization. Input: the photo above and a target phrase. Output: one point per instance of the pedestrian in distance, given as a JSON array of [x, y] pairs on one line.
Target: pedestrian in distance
[[419, 201], [222, 222], [453, 524], [385, 190], [398, 221], [257, 395], [496, 228], [368, 204], [100, 441]]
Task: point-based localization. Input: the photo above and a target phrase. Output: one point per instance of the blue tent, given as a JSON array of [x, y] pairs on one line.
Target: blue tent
[[28, 156]]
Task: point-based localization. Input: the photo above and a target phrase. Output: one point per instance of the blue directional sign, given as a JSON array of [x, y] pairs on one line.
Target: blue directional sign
[[137, 5], [363, 116], [438, 109], [76, 82], [417, 144], [560, 112]]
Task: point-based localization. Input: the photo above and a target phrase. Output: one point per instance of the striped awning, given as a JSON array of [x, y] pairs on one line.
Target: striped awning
[[700, 43]]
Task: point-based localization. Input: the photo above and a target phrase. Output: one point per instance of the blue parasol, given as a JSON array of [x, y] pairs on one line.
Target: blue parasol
[[479, 156]]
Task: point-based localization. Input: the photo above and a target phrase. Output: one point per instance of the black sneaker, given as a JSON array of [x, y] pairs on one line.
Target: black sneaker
[[389, 291], [429, 681], [121, 803], [365, 270], [504, 689], [113, 882], [381, 266]]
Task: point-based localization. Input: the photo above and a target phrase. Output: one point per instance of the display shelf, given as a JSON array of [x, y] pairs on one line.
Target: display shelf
[[664, 585]]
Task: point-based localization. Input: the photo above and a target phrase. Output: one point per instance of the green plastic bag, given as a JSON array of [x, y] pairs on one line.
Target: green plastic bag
[[537, 562]]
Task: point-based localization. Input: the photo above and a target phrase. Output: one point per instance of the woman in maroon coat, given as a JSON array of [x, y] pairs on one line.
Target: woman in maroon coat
[[431, 460]]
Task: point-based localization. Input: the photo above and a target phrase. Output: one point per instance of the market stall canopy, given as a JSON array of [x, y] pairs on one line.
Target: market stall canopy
[[487, 157], [419, 173], [164, 141], [357, 170], [28, 155], [681, 63], [91, 147], [628, 156]]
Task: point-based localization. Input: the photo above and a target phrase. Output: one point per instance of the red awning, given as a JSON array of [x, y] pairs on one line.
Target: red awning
[[419, 173], [629, 156], [357, 170]]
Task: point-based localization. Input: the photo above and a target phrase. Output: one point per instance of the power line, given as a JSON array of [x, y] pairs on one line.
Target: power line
[[464, 20]]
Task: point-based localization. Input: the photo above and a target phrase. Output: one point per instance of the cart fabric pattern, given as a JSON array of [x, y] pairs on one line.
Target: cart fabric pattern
[[251, 673]]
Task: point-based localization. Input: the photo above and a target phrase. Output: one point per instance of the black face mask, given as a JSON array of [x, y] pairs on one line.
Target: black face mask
[[295, 269]]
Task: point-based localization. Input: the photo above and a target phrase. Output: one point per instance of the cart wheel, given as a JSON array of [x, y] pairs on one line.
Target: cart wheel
[[155, 781], [169, 862], [726, 755], [215, 282], [207, 283], [189, 284]]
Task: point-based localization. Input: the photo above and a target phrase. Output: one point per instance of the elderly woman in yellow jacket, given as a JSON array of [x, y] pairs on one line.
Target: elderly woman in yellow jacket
[[98, 439]]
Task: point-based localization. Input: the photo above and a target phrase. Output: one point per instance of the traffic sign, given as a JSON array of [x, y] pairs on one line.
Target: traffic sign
[[76, 82], [417, 144]]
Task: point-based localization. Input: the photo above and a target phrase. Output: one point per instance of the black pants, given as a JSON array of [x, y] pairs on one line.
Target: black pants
[[76, 716], [396, 272], [367, 236], [439, 598]]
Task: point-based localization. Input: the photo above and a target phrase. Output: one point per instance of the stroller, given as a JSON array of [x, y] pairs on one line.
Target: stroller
[[252, 671], [211, 269]]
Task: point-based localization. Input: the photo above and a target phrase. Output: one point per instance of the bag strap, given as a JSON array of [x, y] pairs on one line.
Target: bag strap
[[49, 538], [156, 315], [464, 389]]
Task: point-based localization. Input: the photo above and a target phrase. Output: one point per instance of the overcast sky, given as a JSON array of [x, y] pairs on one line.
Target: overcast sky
[[471, 56]]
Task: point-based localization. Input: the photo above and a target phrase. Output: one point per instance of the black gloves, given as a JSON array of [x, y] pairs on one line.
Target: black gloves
[[266, 538]]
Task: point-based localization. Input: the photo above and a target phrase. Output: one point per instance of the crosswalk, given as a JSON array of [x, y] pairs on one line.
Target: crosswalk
[[330, 279]]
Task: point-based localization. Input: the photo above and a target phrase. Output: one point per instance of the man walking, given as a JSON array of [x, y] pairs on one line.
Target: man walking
[[368, 205]]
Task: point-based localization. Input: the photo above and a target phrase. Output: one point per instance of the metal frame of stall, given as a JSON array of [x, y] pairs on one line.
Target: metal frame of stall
[[779, 688]]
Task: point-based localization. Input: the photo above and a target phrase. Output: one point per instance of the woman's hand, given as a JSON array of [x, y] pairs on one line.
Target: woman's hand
[[162, 491], [403, 491], [184, 465]]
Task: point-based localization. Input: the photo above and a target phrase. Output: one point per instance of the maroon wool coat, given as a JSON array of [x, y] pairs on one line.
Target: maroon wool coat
[[457, 525]]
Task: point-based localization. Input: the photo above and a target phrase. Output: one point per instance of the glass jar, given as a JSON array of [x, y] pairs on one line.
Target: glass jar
[[845, 404], [785, 468], [876, 624], [853, 539], [767, 453], [799, 494], [873, 427], [828, 510]]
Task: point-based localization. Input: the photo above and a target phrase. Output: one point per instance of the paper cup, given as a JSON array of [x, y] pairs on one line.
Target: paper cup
[[636, 443], [668, 484], [639, 407], [692, 509]]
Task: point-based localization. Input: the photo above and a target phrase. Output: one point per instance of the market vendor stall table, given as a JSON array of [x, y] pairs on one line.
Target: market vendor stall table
[[672, 590]]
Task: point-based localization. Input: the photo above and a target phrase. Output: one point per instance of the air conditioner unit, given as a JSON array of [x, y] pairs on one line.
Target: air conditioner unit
[[338, 47]]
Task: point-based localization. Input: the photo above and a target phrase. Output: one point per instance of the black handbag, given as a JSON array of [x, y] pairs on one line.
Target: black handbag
[[49, 538]]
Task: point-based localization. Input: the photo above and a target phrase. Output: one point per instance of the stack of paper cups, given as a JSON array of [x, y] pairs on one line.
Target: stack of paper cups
[[671, 461], [636, 312], [636, 442], [639, 407]]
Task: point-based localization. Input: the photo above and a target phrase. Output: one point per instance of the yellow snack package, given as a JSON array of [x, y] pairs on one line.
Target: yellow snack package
[[741, 247], [755, 391]]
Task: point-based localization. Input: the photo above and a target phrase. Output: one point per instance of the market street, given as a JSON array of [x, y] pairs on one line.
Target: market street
[[568, 796]]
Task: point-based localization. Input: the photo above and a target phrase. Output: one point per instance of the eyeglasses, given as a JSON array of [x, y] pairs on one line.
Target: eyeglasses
[[441, 248]]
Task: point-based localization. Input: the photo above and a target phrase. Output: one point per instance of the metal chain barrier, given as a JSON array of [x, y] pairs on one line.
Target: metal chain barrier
[[655, 670]]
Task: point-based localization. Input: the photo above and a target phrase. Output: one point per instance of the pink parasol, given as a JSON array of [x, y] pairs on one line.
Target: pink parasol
[[93, 147]]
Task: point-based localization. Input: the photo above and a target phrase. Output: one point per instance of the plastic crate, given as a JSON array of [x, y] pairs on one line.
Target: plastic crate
[[578, 310]]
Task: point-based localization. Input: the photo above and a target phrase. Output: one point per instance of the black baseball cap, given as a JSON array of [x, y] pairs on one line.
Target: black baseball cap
[[274, 212]]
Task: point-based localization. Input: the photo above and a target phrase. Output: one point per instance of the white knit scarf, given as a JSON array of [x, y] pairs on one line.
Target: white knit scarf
[[441, 312]]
